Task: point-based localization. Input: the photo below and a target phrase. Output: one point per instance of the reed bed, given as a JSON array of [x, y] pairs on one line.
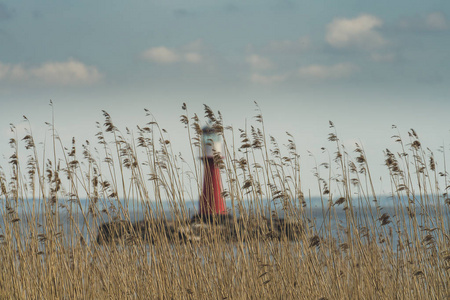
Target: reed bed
[[56, 198]]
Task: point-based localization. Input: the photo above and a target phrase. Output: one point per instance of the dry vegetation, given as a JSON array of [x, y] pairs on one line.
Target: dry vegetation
[[49, 247]]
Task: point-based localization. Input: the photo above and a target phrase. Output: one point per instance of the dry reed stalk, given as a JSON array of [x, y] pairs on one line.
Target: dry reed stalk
[[49, 234]]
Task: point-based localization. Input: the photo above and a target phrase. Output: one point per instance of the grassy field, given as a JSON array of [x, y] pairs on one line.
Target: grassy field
[[371, 253]]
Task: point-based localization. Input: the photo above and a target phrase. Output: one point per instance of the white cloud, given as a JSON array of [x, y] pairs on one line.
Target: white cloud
[[4, 71], [259, 62], [71, 72], [161, 55], [194, 46], [336, 71], [436, 21], [66, 73], [17, 72], [190, 53], [193, 57], [359, 32], [266, 80]]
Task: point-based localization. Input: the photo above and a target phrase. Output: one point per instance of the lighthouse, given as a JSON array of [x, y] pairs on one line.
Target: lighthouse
[[211, 199]]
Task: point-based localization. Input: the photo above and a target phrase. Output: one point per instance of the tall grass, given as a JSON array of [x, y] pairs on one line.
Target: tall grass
[[61, 206]]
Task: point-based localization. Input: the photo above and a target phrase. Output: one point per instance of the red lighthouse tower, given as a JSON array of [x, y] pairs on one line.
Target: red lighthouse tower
[[211, 200]]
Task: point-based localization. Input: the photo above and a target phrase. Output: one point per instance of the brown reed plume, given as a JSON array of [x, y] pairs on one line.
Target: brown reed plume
[[110, 218]]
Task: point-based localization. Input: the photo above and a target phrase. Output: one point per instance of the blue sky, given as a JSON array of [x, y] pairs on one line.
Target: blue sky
[[363, 64]]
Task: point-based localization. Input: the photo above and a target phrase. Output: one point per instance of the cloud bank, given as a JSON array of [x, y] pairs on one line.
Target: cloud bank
[[359, 32], [267, 79], [190, 53], [71, 72], [259, 62], [435, 21], [337, 71]]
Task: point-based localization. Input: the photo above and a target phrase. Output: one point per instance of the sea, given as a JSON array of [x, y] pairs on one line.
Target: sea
[[316, 213]]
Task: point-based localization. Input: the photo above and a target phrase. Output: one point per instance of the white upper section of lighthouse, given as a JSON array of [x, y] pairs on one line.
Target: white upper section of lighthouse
[[211, 142]]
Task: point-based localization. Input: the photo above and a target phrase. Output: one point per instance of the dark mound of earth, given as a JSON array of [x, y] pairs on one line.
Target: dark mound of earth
[[199, 228]]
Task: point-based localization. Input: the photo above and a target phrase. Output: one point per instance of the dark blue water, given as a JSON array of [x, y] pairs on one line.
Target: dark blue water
[[316, 213]]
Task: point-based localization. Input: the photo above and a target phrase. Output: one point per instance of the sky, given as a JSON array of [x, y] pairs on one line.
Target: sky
[[365, 65]]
